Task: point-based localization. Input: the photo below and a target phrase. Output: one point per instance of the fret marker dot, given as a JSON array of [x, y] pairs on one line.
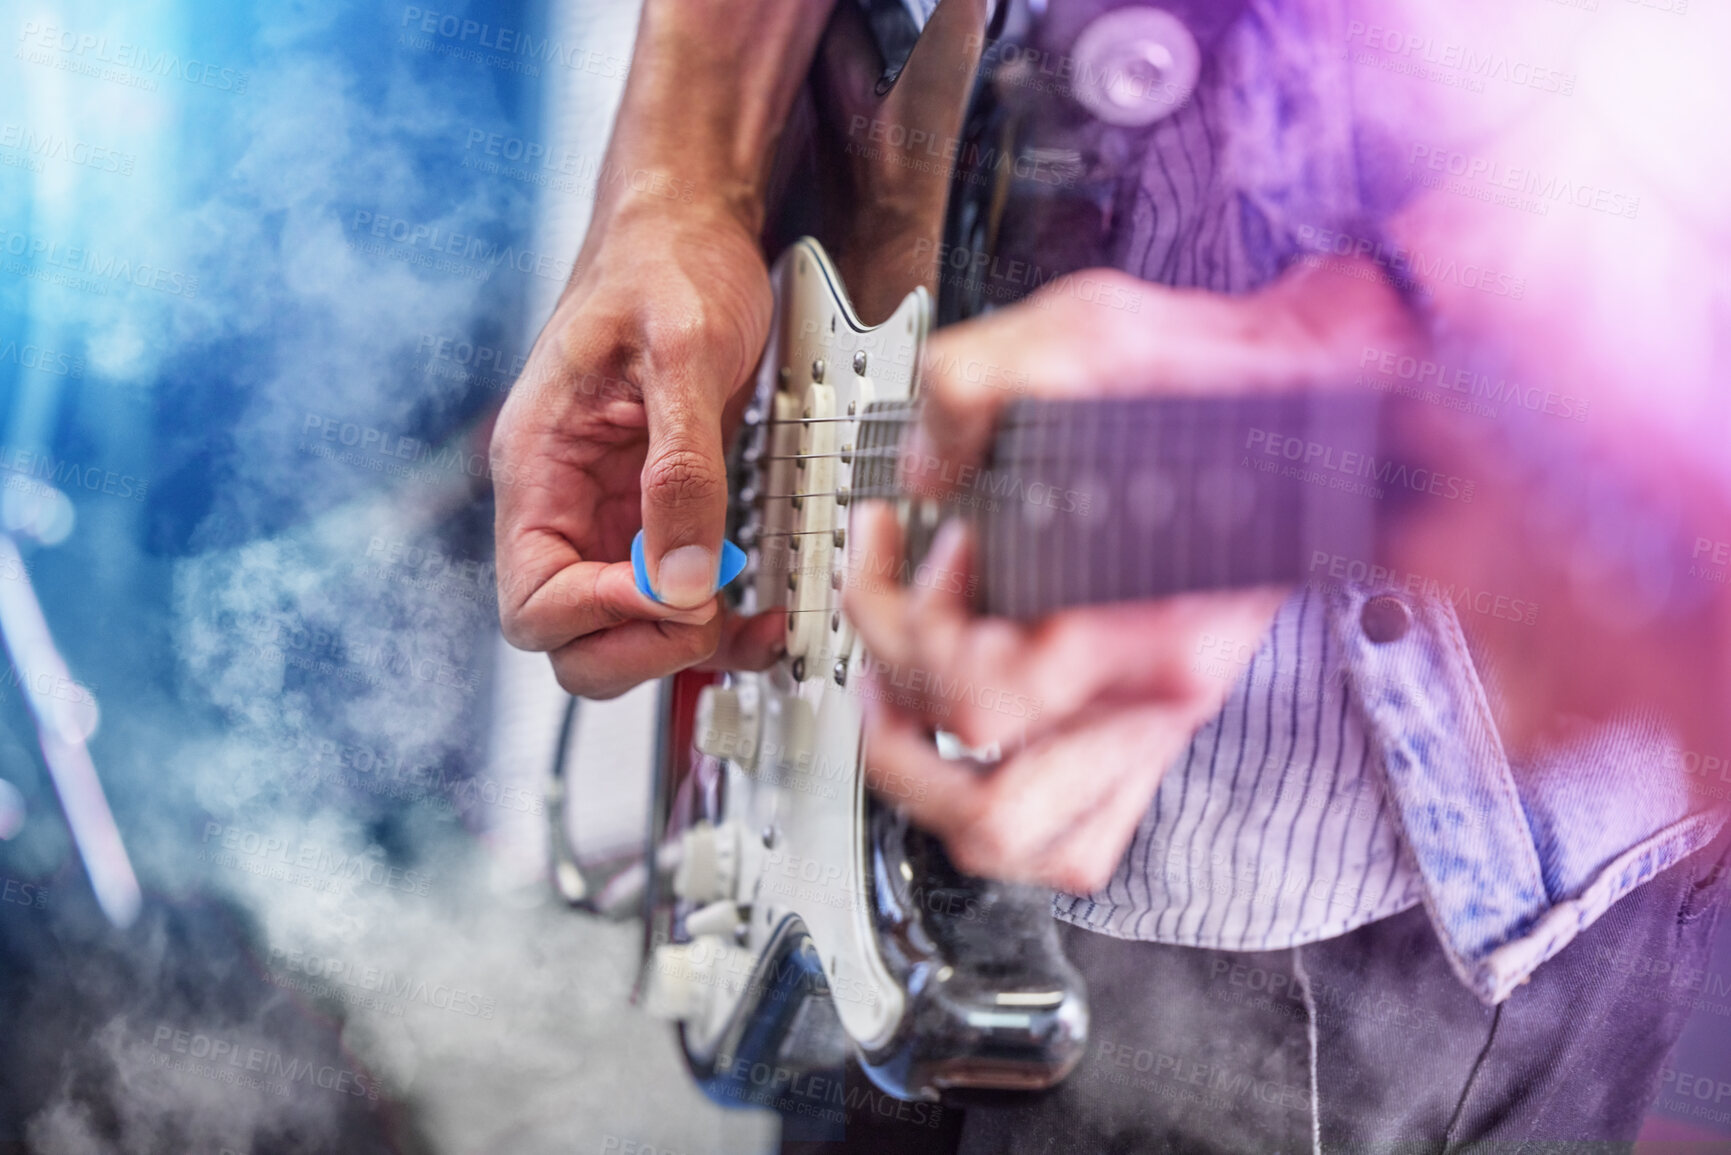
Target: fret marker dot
[[1152, 498]]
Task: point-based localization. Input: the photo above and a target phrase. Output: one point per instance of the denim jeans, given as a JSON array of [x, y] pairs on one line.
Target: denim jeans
[[1365, 1044]]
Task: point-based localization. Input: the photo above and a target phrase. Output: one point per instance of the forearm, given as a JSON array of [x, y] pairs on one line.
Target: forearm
[[712, 83]]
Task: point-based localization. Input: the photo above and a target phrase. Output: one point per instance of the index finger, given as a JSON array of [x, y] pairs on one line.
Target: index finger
[[545, 605]]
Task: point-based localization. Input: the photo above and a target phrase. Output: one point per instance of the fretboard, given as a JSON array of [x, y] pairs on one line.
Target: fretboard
[[1085, 502]]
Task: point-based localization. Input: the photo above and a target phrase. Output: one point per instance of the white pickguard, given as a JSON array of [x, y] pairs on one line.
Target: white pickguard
[[791, 736]]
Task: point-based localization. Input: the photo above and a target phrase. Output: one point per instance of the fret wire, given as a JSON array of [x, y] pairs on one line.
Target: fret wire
[[1036, 573], [1071, 542], [1205, 417], [863, 492], [862, 419], [820, 456], [1183, 522]]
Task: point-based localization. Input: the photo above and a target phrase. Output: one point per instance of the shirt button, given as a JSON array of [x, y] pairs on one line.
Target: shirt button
[[1385, 619], [1135, 66]]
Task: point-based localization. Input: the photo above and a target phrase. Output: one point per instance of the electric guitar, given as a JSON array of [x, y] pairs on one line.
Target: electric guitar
[[790, 879], [793, 918]]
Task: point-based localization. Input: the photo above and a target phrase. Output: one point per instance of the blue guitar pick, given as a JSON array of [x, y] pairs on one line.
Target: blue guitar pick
[[732, 562]]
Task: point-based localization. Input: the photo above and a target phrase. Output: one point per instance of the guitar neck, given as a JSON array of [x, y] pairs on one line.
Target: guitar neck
[[1091, 501]]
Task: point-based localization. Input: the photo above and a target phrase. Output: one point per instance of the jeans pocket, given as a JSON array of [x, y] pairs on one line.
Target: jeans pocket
[[1702, 896]]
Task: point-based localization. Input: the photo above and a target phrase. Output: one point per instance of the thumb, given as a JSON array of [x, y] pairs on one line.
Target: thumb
[[684, 486]]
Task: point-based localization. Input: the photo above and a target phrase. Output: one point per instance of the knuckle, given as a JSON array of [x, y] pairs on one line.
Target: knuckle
[[682, 476], [698, 643], [597, 690], [1082, 871], [978, 728], [516, 633], [677, 337], [988, 844]]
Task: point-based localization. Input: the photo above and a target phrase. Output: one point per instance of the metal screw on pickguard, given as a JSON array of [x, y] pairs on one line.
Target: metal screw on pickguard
[[835, 620], [799, 669], [841, 672], [841, 496], [769, 838], [859, 362], [840, 538], [817, 371]]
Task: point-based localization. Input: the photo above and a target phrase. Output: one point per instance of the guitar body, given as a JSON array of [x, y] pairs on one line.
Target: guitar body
[[797, 895]]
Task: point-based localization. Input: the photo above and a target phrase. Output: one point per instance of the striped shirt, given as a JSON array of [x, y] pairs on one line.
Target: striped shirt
[[1272, 829]]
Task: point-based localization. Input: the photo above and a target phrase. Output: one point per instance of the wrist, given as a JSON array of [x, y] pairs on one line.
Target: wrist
[[710, 87]]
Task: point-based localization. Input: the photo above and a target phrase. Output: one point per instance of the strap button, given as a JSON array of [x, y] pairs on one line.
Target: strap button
[[1385, 619]]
